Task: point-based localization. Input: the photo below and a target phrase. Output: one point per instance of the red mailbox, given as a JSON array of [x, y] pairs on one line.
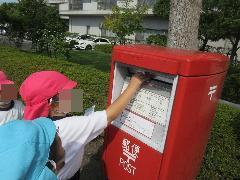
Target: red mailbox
[[163, 132]]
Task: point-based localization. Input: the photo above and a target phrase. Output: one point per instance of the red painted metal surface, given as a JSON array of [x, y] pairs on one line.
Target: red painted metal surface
[[191, 119], [146, 165], [171, 61], [190, 124]]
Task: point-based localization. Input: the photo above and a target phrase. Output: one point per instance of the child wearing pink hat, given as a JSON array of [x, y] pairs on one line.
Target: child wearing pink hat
[[76, 131], [10, 108]]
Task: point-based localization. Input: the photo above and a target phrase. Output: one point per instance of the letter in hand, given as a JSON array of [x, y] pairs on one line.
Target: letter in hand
[[121, 102], [141, 77]]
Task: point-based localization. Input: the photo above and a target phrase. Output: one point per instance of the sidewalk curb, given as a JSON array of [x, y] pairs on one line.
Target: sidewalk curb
[[230, 104]]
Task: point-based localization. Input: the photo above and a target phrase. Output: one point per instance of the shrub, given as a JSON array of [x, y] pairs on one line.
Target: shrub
[[72, 43], [70, 33], [231, 90], [52, 44], [157, 39], [221, 160], [106, 48], [94, 83]]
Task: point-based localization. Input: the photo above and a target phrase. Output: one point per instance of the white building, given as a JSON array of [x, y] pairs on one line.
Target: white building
[[87, 16]]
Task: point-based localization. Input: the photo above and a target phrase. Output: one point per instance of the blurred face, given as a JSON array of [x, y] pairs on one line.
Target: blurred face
[[54, 107], [8, 92], [65, 102]]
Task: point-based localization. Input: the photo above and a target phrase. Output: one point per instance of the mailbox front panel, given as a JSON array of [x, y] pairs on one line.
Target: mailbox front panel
[[137, 137], [129, 158]]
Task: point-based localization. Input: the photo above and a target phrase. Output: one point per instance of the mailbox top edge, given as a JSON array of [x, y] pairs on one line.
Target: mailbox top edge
[[171, 60]]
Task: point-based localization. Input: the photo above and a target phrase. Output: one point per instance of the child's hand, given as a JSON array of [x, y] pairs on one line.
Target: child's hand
[[121, 102], [139, 78]]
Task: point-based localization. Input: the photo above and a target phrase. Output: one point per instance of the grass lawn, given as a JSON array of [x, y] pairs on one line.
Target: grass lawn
[[95, 59], [91, 70]]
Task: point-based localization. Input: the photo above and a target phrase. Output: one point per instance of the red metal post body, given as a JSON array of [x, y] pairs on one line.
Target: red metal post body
[[192, 114]]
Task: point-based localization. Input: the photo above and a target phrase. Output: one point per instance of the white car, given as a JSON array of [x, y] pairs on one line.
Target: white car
[[90, 43], [76, 37], [3, 32]]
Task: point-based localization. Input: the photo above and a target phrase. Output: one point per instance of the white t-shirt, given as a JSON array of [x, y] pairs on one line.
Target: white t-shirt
[[75, 132], [16, 112]]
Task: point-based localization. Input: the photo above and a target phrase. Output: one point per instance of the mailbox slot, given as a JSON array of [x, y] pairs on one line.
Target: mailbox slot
[[147, 116]]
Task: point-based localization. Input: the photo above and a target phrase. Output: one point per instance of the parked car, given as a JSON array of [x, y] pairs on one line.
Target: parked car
[[90, 43], [3, 32], [85, 37], [77, 37], [71, 37]]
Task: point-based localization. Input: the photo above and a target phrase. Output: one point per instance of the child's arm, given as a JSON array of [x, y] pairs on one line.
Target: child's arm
[[121, 102]]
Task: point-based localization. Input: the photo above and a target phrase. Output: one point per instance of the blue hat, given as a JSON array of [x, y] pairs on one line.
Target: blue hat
[[24, 149]]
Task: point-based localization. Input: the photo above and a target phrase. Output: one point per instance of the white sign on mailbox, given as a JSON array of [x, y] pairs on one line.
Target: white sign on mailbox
[[146, 117], [130, 152]]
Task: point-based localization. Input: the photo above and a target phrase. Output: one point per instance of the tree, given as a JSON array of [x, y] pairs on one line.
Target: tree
[[125, 20], [4, 8], [53, 44], [40, 18], [230, 24], [162, 8], [220, 20], [209, 21], [183, 23], [35, 21], [12, 22]]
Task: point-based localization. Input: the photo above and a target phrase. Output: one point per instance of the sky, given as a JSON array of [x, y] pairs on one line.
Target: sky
[[2, 1]]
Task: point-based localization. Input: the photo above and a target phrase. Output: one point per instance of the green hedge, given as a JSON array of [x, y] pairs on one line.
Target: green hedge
[[231, 90], [157, 39], [18, 65], [106, 48], [222, 157]]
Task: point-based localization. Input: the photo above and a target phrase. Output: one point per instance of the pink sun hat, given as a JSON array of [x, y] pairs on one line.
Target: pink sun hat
[[38, 88], [4, 79]]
